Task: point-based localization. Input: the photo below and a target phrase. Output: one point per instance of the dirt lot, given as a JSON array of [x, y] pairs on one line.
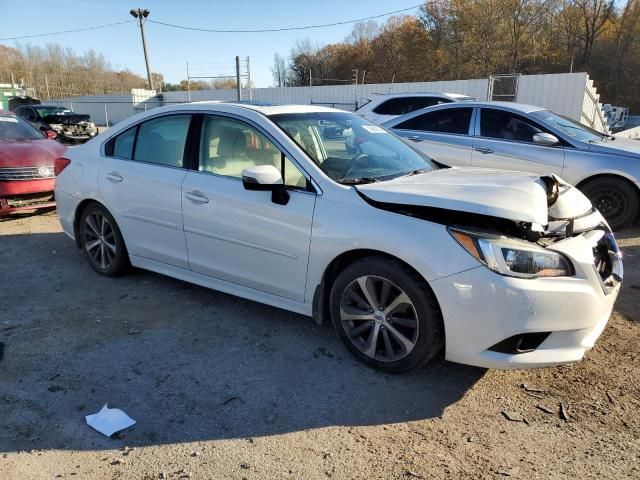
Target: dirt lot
[[226, 388]]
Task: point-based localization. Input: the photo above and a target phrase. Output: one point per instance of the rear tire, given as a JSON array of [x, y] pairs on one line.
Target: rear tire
[[615, 198], [102, 242], [386, 314]]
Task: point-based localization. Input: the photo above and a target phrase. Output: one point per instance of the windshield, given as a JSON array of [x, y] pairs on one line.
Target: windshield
[[351, 150], [572, 128], [14, 128], [43, 112]]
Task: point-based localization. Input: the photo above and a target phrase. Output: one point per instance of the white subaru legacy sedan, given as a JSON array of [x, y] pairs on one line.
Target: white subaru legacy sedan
[[495, 268]]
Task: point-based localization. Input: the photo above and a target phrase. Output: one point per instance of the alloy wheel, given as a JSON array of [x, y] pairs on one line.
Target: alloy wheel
[[100, 240], [379, 318]]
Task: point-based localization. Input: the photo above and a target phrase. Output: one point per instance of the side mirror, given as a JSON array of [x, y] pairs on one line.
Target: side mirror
[[266, 178], [545, 139], [50, 134]]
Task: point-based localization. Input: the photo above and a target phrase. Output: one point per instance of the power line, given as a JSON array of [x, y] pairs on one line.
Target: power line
[[183, 27], [66, 31], [283, 29]]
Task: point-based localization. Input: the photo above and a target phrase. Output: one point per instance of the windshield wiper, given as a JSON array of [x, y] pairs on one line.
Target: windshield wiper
[[356, 181], [417, 172]]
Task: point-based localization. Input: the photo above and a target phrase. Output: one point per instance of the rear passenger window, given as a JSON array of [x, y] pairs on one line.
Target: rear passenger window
[[162, 140], [123, 144], [450, 120]]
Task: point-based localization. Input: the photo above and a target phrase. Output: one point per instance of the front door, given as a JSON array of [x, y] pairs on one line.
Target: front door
[[241, 236], [505, 141], [140, 181]]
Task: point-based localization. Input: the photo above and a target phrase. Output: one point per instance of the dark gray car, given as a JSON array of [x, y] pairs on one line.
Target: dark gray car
[[512, 136]]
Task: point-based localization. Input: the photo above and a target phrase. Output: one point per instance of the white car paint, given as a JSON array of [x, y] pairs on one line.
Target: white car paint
[[368, 110], [241, 243]]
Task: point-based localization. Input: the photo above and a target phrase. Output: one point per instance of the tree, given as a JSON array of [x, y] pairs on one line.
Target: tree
[[279, 70], [594, 15]]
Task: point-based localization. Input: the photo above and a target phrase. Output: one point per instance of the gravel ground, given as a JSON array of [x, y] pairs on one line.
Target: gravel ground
[[226, 388]]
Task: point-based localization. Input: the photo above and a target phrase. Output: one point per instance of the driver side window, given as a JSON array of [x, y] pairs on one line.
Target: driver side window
[[228, 146]]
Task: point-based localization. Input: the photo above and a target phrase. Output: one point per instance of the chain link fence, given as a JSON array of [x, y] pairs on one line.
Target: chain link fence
[[503, 88]]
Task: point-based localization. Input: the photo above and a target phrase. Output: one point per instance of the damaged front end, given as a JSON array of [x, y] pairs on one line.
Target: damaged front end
[[73, 128], [574, 233]]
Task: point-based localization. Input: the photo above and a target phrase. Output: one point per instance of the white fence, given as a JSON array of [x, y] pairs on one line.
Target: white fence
[[570, 94]]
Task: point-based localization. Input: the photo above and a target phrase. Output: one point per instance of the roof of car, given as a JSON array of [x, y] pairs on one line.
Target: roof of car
[[418, 94], [520, 107], [270, 109]]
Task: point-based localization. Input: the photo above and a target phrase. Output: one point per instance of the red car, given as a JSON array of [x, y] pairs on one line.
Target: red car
[[27, 172]]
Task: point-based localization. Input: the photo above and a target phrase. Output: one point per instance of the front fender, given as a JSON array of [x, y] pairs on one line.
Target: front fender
[[348, 223]]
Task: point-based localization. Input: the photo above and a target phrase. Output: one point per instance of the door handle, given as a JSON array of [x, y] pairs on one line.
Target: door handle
[[114, 177], [415, 138], [484, 150], [197, 197]]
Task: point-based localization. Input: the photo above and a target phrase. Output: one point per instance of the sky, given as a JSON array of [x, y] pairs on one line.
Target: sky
[[170, 49]]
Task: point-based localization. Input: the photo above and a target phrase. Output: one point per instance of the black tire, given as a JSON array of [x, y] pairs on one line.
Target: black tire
[[428, 336], [616, 199], [118, 260]]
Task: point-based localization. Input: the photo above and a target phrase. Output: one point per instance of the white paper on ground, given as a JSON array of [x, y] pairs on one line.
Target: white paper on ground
[[109, 420]]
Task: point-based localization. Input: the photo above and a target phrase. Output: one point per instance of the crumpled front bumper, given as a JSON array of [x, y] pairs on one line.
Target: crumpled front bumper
[[481, 308], [26, 195]]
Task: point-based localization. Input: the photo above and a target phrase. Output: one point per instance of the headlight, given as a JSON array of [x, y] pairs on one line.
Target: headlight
[[512, 257]]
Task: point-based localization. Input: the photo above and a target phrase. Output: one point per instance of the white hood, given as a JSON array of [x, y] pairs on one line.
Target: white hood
[[517, 196]]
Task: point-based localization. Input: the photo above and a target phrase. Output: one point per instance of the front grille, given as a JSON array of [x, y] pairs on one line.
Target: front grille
[[25, 173]]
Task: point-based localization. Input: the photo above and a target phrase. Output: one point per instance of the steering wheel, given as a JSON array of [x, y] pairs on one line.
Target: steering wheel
[[356, 163]]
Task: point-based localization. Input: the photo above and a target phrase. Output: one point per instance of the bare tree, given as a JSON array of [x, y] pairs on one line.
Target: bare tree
[[279, 70]]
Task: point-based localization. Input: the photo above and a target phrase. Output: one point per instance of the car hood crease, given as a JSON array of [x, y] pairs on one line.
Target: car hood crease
[[516, 196]]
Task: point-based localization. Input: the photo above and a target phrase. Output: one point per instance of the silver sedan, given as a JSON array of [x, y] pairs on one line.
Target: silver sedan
[[512, 136]]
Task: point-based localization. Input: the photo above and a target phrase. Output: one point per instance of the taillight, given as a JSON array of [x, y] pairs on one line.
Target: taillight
[[59, 164]]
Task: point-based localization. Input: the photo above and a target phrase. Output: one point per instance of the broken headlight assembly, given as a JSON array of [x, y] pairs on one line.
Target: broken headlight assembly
[[512, 257]]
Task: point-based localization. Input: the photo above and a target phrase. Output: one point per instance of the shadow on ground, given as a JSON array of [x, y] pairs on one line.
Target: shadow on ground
[[186, 363]]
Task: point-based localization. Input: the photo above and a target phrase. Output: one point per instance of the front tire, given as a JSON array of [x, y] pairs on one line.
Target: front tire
[[386, 314], [102, 242], [615, 198]]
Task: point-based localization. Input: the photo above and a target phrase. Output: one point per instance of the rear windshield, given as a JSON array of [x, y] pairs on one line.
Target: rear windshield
[[13, 127], [43, 112]]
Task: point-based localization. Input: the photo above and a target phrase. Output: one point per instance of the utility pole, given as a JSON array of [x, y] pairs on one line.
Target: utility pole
[[310, 82], [238, 86], [355, 85], [249, 80], [188, 85], [141, 15], [46, 82]]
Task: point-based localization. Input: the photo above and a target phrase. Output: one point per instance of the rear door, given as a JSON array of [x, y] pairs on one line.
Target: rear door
[[505, 141], [140, 180], [444, 134]]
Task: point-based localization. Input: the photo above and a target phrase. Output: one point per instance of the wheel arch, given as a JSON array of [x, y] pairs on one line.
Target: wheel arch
[[320, 309], [612, 175], [78, 213]]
